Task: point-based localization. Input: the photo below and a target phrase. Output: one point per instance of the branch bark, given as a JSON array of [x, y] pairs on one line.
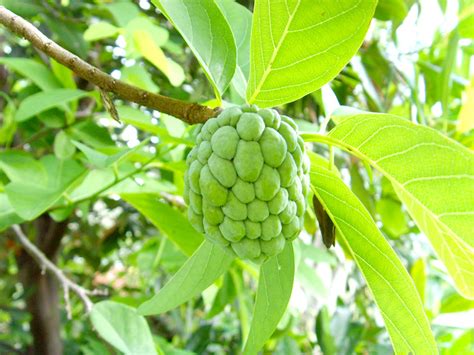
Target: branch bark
[[191, 113]]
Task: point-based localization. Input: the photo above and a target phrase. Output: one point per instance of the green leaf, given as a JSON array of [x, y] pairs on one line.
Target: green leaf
[[7, 213], [100, 30], [143, 121], [224, 296], [273, 294], [33, 194], [63, 74], [454, 303], [297, 46], [146, 45], [171, 222], [123, 12], [63, 147], [143, 24], [391, 285], [25, 8], [137, 75], [240, 22], [388, 10], [21, 166], [432, 175], [92, 134], [95, 181], [323, 332], [208, 34], [102, 160], [198, 273], [287, 346], [38, 73], [466, 22], [122, 327], [449, 65], [311, 281], [45, 100], [466, 114], [392, 216], [418, 274]]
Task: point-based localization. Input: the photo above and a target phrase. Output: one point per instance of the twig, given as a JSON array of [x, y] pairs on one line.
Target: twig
[[189, 112], [47, 265], [175, 200]]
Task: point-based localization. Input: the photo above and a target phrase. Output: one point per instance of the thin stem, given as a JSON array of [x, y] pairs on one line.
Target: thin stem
[[191, 113], [47, 265]]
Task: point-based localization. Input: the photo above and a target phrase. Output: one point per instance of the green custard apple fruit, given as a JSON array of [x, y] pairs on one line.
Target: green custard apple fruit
[[246, 181]]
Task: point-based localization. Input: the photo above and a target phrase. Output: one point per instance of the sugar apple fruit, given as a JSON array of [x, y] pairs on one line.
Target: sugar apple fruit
[[246, 181]]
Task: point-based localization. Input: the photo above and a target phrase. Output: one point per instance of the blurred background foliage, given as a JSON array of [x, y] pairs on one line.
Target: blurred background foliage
[[416, 62]]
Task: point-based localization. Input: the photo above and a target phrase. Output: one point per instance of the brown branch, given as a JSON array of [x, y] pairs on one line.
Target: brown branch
[[49, 266], [191, 113]]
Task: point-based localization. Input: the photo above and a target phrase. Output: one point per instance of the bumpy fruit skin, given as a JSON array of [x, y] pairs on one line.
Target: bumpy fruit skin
[[246, 182]]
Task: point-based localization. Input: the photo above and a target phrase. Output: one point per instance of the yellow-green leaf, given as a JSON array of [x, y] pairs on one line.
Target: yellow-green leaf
[[391, 285], [432, 175]]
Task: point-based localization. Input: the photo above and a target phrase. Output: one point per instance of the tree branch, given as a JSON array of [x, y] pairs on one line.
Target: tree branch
[[191, 113], [46, 264]]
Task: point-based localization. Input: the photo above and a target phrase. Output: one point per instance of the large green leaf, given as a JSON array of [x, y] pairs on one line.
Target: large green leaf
[[273, 294], [34, 191], [208, 34], [38, 73], [240, 22], [171, 222], [45, 100], [297, 46], [208, 263], [432, 175], [391, 285], [123, 328]]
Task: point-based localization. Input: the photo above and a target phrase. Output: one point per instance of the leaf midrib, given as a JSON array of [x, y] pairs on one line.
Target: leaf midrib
[[275, 53], [383, 278]]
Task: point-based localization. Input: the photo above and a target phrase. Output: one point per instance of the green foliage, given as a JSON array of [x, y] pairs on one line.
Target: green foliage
[[388, 280], [287, 63], [122, 327], [115, 192], [247, 181], [208, 35], [273, 294], [198, 273], [426, 189], [45, 100]]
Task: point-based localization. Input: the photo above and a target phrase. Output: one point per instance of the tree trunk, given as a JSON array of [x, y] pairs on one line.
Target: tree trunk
[[42, 300]]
